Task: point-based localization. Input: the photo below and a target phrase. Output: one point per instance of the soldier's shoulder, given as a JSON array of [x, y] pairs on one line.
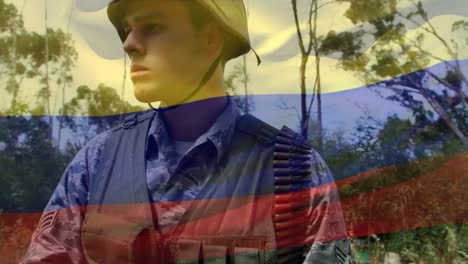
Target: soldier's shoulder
[[95, 146], [257, 128], [90, 154], [98, 141], [267, 133]]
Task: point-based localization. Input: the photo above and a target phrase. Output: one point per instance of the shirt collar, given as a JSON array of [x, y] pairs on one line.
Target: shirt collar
[[219, 134]]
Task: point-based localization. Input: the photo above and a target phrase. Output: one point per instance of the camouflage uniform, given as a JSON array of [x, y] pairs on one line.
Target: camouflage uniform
[[57, 238]]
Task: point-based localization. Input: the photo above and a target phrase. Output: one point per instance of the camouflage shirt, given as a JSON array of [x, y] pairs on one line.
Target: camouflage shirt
[[57, 238]]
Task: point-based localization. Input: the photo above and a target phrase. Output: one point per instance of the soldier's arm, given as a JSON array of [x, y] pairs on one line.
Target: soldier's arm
[[327, 230], [57, 236]]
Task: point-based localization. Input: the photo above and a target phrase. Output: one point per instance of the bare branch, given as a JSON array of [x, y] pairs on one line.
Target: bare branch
[[298, 26], [431, 30], [283, 105], [368, 113], [311, 31]]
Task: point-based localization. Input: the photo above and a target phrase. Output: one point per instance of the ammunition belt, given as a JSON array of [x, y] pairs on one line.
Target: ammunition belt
[[291, 217]]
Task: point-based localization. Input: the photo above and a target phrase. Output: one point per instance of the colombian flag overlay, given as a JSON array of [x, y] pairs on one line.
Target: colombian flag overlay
[[378, 87]]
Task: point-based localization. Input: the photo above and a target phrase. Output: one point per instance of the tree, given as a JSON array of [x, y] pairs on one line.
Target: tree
[[31, 166], [93, 111], [404, 148], [32, 163], [317, 46], [23, 56], [339, 153], [394, 56], [306, 51]]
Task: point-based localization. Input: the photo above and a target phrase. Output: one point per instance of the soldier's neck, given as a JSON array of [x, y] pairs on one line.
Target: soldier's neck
[[189, 121]]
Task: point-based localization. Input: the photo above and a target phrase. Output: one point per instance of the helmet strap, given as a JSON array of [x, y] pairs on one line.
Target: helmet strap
[[202, 83], [259, 61]]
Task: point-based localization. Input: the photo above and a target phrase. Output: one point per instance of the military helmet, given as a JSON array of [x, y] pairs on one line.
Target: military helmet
[[230, 14]]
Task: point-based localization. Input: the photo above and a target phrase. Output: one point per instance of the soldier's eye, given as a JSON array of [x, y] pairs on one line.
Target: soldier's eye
[[126, 31], [152, 28]]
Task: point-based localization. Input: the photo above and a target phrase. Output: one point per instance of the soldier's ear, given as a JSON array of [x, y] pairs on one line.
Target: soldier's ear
[[212, 37]]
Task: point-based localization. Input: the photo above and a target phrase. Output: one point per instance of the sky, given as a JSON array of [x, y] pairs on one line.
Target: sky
[[273, 36]]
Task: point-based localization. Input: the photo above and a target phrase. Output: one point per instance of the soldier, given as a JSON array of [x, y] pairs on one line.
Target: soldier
[[193, 181]]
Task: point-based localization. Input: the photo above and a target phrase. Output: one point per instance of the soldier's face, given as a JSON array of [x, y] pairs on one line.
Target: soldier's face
[[167, 54]]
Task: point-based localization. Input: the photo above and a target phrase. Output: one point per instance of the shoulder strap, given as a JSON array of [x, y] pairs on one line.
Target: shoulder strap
[[120, 204], [255, 127], [134, 119], [121, 173]]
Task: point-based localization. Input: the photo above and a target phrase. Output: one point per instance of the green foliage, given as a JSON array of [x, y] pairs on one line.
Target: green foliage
[[9, 16], [405, 151], [103, 101], [395, 55], [23, 56], [31, 164], [339, 154], [349, 44], [32, 160], [93, 111], [370, 10], [438, 244]]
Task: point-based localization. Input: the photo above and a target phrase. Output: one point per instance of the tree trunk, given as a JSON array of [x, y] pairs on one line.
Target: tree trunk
[[245, 81], [304, 59], [304, 117], [318, 79], [319, 106], [445, 117], [47, 86]]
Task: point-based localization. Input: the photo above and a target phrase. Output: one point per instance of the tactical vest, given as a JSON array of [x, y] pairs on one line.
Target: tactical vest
[[254, 210]]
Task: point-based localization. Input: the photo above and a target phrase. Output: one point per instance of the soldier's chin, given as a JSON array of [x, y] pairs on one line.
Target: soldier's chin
[[145, 93]]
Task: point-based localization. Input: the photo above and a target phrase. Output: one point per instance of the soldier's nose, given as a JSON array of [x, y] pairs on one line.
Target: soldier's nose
[[133, 46]]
